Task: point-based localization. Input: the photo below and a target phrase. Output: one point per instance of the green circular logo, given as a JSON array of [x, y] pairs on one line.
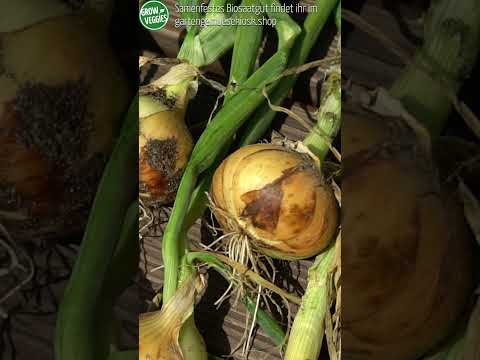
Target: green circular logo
[[154, 15]]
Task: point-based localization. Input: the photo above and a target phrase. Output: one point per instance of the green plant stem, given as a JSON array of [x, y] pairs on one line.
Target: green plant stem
[[78, 334], [126, 257], [204, 46], [172, 245], [198, 200], [191, 16], [323, 133], [452, 42], [305, 341], [236, 111], [266, 322], [338, 17], [263, 117], [214, 40], [213, 4], [245, 50], [191, 50], [244, 55], [217, 136], [122, 268], [240, 69]]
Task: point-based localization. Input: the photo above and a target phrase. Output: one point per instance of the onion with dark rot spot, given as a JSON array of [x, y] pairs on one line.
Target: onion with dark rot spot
[[278, 198], [62, 98]]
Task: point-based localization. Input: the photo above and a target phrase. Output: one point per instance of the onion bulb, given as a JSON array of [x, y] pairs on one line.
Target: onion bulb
[[165, 143], [170, 333], [406, 249], [278, 198], [62, 97]]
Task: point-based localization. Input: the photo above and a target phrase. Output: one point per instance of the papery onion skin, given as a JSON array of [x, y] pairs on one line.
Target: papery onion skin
[[48, 195], [278, 198], [171, 334], [406, 250]]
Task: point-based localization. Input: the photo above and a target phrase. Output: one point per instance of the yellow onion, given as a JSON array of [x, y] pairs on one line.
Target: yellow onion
[[165, 143], [278, 198], [171, 334], [406, 249], [62, 97]]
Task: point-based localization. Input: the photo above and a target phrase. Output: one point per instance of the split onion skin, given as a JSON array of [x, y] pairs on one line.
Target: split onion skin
[[406, 249], [278, 198], [165, 144], [52, 54]]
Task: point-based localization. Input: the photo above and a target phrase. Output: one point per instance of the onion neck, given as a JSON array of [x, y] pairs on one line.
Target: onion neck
[[191, 342], [163, 333], [452, 41], [191, 50], [329, 117], [181, 93], [176, 87]]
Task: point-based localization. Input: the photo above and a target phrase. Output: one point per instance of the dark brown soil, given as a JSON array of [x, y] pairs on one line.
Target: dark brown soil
[[161, 155], [54, 120], [158, 158], [80, 182]]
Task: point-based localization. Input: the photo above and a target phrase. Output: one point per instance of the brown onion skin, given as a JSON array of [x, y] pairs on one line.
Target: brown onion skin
[[278, 198], [406, 249], [53, 53]]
